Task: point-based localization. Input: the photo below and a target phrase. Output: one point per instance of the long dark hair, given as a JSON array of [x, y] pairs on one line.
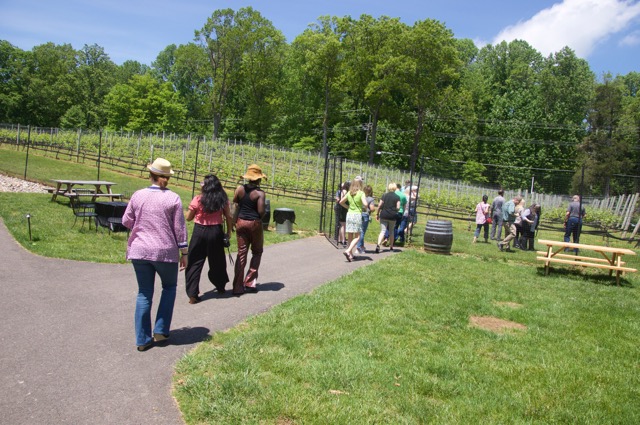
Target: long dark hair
[[213, 197]]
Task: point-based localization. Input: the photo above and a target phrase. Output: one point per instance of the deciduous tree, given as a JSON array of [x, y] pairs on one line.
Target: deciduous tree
[[144, 104]]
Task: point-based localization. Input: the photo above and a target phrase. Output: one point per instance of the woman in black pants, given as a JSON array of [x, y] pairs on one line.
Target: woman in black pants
[[208, 209]]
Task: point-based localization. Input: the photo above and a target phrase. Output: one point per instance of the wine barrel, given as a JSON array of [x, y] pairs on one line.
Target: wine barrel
[[438, 236]]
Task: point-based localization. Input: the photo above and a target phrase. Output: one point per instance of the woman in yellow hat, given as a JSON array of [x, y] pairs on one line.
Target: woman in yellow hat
[[251, 204]]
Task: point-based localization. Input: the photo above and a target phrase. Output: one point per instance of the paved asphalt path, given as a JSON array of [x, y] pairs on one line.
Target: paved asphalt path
[[67, 348]]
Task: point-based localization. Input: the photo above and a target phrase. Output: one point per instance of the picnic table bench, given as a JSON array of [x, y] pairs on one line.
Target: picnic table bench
[[611, 257], [67, 188]]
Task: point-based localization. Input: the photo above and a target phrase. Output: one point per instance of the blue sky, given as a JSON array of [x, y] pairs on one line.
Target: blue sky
[[604, 32]]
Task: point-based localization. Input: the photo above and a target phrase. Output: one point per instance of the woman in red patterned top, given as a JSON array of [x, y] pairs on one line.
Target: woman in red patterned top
[[207, 242]]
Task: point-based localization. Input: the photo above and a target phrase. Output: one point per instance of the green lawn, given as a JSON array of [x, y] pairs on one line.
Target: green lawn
[[392, 342], [52, 234], [382, 347]]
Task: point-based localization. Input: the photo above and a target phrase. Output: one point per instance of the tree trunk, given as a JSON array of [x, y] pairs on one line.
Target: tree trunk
[[217, 118]]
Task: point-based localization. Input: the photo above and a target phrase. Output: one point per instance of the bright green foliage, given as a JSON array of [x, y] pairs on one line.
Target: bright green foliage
[[260, 73], [244, 52], [322, 63], [14, 79], [91, 81], [370, 66], [130, 68], [50, 90], [430, 68], [472, 172], [189, 75], [144, 104], [358, 86]]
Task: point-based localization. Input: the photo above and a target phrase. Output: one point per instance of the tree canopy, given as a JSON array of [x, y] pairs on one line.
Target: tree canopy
[[369, 89]]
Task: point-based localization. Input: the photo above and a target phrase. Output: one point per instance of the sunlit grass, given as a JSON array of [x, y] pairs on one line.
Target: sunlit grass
[[379, 347], [392, 342], [52, 230]]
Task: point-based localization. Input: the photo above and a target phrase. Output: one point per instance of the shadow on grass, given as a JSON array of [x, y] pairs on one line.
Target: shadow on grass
[[575, 273], [186, 336]]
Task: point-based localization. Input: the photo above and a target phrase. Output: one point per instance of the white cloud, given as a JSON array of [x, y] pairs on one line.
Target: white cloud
[[632, 39], [579, 24], [480, 43]]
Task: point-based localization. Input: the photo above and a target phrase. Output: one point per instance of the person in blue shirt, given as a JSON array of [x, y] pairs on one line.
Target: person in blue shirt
[[509, 220]]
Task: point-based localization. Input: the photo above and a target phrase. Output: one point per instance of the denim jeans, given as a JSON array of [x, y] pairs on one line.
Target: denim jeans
[[573, 230], [496, 225], [401, 225], [145, 273], [365, 225], [486, 230]]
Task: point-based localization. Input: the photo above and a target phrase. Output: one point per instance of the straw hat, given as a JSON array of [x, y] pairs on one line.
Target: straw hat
[[161, 167], [254, 173]]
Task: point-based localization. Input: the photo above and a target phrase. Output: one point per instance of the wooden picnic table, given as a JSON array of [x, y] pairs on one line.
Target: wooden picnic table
[[69, 185], [611, 256]]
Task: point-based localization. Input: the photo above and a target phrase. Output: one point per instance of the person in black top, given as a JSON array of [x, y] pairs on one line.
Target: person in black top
[[387, 213], [251, 203]]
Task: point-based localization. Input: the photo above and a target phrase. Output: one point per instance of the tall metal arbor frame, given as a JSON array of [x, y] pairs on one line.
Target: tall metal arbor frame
[[333, 178]]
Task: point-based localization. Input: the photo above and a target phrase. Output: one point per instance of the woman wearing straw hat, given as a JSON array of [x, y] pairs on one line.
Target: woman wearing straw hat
[[251, 205], [157, 245]]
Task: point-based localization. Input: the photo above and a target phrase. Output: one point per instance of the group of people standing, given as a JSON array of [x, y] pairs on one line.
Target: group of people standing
[[158, 242], [396, 212], [519, 222]]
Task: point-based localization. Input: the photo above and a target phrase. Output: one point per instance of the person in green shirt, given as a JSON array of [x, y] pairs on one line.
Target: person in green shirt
[[401, 220], [356, 201]]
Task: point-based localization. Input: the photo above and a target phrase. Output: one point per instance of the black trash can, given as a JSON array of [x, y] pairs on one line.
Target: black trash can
[[284, 218], [438, 236], [267, 215]]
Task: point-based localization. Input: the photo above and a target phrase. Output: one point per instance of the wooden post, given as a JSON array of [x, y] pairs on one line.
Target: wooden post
[[78, 145]]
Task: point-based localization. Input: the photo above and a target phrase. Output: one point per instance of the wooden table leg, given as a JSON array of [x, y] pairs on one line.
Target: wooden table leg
[[55, 192], [615, 261], [546, 263]]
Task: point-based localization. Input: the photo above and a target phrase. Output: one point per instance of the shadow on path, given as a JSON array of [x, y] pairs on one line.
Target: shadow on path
[[68, 350]]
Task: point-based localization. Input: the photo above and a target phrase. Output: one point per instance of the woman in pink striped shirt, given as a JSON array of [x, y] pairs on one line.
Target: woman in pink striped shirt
[[157, 245]]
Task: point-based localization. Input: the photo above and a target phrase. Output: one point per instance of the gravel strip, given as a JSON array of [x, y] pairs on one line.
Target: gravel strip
[[13, 184]]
